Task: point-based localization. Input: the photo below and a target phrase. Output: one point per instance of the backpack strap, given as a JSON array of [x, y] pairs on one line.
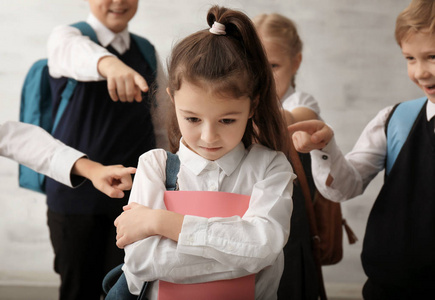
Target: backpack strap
[[86, 30], [172, 168], [302, 180], [145, 47], [399, 124], [147, 50]]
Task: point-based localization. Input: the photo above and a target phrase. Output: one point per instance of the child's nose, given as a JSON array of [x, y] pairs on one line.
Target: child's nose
[[209, 134], [421, 71]]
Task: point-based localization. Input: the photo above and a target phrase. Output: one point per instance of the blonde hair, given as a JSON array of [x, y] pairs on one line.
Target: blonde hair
[[280, 30], [418, 16], [230, 64]]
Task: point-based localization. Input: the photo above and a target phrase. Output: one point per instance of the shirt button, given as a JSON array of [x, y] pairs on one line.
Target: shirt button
[[324, 157]]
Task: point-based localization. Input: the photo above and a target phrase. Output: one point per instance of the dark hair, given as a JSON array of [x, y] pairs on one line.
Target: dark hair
[[234, 65]]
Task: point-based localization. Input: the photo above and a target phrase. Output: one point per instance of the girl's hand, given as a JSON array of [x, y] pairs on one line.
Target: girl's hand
[[134, 224], [138, 222], [310, 135]]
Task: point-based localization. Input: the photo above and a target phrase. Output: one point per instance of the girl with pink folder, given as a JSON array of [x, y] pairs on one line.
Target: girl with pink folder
[[230, 140]]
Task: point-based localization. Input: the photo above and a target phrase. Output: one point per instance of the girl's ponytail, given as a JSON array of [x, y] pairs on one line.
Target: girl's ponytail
[[229, 59]]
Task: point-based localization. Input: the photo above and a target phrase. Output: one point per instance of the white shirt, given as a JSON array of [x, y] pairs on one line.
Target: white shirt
[[35, 148], [353, 172], [216, 248], [293, 99], [70, 54]]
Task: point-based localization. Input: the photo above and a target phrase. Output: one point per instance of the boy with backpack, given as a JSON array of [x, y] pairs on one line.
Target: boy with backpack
[[111, 116], [399, 245]]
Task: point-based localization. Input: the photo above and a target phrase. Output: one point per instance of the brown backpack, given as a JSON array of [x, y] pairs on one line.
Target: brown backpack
[[326, 223]]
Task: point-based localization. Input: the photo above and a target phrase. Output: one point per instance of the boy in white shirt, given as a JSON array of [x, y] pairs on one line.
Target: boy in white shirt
[[399, 244], [111, 117]]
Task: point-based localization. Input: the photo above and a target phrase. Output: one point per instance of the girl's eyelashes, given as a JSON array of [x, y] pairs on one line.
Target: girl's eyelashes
[[196, 120], [192, 120], [227, 121], [432, 57]]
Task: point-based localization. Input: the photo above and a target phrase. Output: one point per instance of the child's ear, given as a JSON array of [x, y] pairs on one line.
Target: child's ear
[[170, 96], [297, 59], [254, 105]]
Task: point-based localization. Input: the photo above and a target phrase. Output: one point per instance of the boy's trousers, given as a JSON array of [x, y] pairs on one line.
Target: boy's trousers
[[85, 250]]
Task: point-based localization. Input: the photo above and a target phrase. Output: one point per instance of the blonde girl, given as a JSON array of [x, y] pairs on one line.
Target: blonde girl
[[301, 278], [283, 47]]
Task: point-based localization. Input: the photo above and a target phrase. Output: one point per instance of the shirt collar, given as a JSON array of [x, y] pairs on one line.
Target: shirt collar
[[105, 35], [430, 110], [197, 164], [288, 93]]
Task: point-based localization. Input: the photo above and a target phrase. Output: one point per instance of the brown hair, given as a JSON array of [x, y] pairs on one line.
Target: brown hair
[[281, 30], [418, 16], [234, 65]]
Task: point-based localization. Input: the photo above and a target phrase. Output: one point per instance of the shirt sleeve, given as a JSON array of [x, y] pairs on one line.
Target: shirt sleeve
[[35, 148], [73, 55], [352, 173], [207, 250], [300, 99]]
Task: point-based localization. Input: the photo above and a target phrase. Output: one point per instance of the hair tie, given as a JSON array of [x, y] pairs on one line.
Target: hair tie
[[218, 28]]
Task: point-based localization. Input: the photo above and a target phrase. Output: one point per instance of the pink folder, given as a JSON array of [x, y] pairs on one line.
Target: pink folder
[[208, 204]]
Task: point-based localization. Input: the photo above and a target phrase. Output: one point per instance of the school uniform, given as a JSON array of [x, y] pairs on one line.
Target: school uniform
[[399, 242], [216, 248], [35, 148], [293, 99], [299, 279], [81, 220]]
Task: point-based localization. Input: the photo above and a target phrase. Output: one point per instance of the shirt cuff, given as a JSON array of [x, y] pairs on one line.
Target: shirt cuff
[[61, 166], [329, 162], [193, 236], [322, 160]]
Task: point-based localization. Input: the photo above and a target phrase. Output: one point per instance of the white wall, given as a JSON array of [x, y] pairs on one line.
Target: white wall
[[351, 64]]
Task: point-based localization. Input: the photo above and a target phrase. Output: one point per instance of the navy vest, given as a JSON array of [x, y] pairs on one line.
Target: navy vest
[[108, 132], [399, 244]]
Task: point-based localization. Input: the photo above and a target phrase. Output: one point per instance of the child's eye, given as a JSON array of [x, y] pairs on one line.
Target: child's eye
[[274, 66], [409, 58], [192, 120], [227, 121], [432, 57]]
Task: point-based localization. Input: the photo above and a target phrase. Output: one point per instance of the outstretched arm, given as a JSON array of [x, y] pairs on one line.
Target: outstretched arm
[[111, 180], [35, 148], [340, 177], [70, 54]]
